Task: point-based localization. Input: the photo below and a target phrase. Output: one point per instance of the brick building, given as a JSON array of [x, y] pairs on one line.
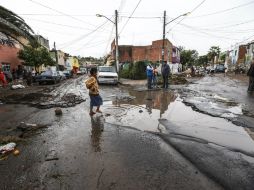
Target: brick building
[[153, 53], [9, 49]]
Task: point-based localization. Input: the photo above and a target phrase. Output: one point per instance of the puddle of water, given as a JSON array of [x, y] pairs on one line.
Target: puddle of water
[[141, 112], [219, 131], [144, 112]]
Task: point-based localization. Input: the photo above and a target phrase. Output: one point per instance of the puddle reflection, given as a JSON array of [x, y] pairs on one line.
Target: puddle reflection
[[141, 112], [96, 132], [158, 100]]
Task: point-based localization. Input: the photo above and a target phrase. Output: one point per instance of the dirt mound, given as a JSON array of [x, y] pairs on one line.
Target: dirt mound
[[177, 79]]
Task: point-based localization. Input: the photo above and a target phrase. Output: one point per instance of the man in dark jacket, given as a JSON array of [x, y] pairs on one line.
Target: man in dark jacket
[[165, 74], [251, 77]]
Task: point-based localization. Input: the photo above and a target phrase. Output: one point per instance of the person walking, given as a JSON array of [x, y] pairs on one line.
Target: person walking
[[2, 78], [149, 73], [95, 98], [165, 74], [155, 75], [251, 77]]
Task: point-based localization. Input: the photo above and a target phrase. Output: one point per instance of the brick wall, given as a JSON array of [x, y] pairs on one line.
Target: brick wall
[[9, 55], [241, 55], [150, 53]]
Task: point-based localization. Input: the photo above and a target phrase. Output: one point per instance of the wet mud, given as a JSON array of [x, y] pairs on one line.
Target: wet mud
[[46, 97], [145, 139]]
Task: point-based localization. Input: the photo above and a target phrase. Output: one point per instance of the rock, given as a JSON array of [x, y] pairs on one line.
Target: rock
[[58, 111], [140, 111], [16, 152]]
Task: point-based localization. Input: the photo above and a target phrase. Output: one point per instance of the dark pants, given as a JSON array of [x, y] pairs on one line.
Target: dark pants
[[165, 81], [251, 84], [149, 82]]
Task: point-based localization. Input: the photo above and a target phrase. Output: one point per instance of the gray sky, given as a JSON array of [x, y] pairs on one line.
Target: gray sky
[[72, 24]]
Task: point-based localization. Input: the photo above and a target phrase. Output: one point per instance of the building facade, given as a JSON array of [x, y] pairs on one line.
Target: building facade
[[9, 49], [151, 53]]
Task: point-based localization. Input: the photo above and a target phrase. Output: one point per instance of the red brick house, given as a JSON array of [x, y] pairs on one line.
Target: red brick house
[[153, 53], [8, 52]]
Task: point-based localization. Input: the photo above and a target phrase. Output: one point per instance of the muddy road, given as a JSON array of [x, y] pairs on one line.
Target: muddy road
[[144, 140]]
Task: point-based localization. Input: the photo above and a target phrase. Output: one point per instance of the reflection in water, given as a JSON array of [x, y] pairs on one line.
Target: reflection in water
[[159, 100], [97, 129]]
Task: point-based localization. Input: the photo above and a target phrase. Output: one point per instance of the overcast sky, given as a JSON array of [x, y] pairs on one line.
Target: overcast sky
[[74, 27]]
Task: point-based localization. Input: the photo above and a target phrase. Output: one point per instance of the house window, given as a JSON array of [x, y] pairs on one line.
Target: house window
[[6, 67]]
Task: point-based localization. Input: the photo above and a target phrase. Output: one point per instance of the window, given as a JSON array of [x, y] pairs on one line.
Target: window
[[6, 67]]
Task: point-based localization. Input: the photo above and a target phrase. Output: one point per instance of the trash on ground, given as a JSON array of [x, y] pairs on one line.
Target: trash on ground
[[18, 86], [7, 148]]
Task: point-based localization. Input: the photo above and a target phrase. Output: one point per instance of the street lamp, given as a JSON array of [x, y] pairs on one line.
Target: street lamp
[[115, 23], [164, 27]]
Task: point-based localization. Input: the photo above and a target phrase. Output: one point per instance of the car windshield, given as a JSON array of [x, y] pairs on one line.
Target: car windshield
[[48, 72], [106, 69]]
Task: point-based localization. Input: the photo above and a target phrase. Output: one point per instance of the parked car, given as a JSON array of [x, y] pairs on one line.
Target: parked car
[[220, 69], [83, 71], [67, 74], [62, 75], [48, 76], [107, 75]]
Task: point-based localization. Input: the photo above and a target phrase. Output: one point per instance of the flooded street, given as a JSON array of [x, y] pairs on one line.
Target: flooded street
[[188, 137]]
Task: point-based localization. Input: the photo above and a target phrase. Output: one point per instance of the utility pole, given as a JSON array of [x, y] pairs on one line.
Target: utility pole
[[56, 55], [163, 37], [117, 52]]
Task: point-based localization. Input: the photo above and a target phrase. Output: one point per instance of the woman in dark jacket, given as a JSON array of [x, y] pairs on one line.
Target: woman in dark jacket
[[251, 77]]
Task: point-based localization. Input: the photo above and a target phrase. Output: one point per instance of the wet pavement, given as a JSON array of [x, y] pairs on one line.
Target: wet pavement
[[157, 139]]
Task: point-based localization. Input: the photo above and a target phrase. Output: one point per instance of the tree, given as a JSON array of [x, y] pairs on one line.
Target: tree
[[213, 52], [13, 25], [36, 56], [202, 60], [223, 58], [188, 57]]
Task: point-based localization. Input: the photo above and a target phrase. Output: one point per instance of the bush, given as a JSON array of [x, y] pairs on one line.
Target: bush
[[135, 71], [138, 70]]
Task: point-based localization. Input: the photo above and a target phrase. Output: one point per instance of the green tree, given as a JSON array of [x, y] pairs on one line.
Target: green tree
[[13, 25], [36, 56], [188, 57], [213, 52], [202, 60], [223, 58]]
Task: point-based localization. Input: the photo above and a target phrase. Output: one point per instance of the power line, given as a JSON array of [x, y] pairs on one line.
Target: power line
[[64, 25], [232, 25], [198, 30], [109, 39], [195, 8], [130, 16], [225, 10], [142, 17], [60, 12], [84, 36], [60, 15], [87, 43]]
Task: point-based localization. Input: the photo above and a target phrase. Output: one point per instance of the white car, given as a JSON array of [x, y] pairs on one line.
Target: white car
[[107, 75]]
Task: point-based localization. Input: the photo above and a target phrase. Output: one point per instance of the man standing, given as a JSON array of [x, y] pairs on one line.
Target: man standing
[[251, 77], [149, 73], [165, 74]]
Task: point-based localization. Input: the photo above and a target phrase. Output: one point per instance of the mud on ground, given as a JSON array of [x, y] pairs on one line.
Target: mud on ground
[[39, 97]]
